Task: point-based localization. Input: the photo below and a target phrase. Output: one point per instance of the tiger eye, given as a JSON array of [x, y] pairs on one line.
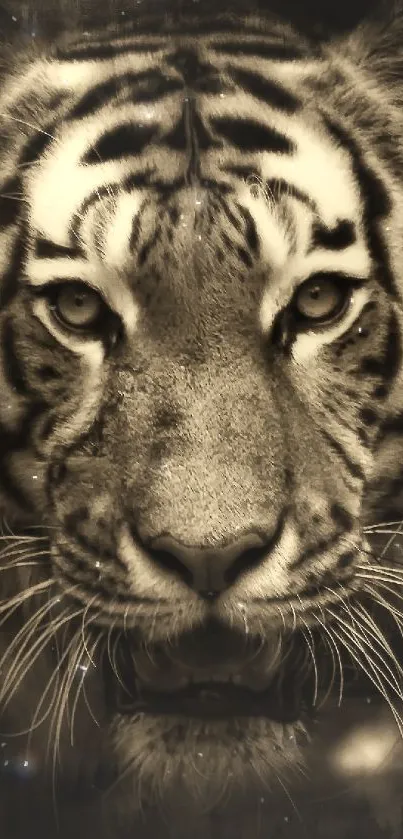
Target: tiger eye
[[77, 305], [319, 299]]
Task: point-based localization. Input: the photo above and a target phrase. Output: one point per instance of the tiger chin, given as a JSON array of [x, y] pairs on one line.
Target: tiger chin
[[201, 399]]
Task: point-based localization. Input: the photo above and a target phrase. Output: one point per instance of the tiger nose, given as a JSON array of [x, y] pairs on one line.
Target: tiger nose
[[205, 570]]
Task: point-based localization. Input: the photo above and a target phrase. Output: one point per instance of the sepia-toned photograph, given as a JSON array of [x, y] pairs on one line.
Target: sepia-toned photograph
[[201, 419]]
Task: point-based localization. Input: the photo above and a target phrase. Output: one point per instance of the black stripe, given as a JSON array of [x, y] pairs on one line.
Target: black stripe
[[279, 187], [310, 553], [354, 468], [45, 249], [260, 49], [37, 144], [13, 442], [10, 278], [195, 73], [250, 230], [341, 517], [392, 425], [137, 87], [251, 136], [10, 201], [232, 218], [266, 90], [388, 365], [180, 138], [12, 367], [247, 173], [368, 416], [108, 50], [123, 141], [136, 227], [377, 203], [148, 245], [336, 238], [346, 559]]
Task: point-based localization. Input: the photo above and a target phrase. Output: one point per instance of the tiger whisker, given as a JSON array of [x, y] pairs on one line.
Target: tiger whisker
[[36, 723], [21, 538], [18, 544], [17, 559], [335, 653], [371, 527], [374, 678], [391, 540], [377, 633], [22, 597], [359, 639], [382, 569], [88, 706], [30, 125], [380, 579], [85, 615], [75, 664], [80, 690], [112, 656], [366, 637], [386, 531], [24, 664], [27, 630], [60, 706], [390, 608], [309, 640]]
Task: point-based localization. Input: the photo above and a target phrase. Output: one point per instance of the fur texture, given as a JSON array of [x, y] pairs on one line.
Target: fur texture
[[201, 381]]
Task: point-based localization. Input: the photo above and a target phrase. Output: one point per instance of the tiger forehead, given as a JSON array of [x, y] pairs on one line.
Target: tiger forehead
[[167, 116], [196, 252]]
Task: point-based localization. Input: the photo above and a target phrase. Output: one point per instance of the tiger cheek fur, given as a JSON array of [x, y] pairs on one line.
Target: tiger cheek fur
[[201, 388]]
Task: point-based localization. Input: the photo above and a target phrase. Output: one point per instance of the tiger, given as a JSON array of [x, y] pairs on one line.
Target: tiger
[[201, 227]]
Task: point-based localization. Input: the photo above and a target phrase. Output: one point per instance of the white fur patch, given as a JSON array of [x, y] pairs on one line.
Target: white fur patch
[[116, 244]]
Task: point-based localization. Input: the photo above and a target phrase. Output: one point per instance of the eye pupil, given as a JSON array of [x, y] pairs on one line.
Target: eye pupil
[[320, 299], [77, 308]]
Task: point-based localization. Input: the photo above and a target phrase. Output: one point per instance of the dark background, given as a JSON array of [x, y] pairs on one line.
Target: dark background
[[45, 17]]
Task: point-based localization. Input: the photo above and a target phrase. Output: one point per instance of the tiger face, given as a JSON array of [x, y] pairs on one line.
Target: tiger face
[[200, 338]]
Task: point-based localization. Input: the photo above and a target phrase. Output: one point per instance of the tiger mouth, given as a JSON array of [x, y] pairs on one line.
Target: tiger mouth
[[210, 674]]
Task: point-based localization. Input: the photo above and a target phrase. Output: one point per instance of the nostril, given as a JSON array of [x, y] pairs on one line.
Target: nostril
[[245, 562], [206, 569], [170, 562]]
